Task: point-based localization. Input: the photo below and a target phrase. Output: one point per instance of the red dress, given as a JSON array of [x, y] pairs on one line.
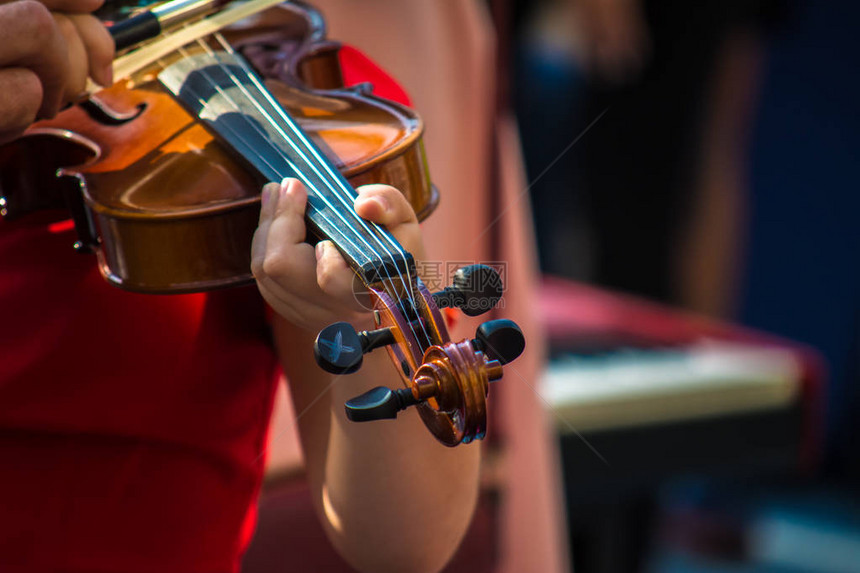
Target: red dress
[[131, 426]]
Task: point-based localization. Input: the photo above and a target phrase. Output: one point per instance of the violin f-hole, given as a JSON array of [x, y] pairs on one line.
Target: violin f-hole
[[102, 113]]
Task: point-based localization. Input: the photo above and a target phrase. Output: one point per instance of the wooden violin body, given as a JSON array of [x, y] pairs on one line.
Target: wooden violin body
[[162, 203]]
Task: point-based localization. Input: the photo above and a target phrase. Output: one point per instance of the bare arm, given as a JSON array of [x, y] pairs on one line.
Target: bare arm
[[390, 497]]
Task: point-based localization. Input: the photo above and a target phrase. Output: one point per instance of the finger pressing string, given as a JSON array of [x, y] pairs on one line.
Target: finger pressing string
[[334, 276], [384, 205], [268, 198], [290, 203]]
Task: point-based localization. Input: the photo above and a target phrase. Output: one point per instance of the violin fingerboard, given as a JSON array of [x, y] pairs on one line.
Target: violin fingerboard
[[222, 91]]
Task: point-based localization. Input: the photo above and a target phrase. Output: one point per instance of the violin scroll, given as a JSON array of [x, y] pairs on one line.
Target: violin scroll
[[453, 380], [447, 381]]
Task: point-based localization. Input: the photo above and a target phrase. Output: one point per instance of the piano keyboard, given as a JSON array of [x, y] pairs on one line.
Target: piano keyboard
[[630, 387]]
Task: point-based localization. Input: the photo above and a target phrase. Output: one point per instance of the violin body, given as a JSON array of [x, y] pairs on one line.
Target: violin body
[[164, 205]]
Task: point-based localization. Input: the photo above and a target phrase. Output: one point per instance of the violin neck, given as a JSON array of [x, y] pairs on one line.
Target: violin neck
[[224, 93]]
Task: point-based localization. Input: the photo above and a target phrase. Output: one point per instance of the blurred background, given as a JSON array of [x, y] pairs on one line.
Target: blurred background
[[700, 156], [692, 174]]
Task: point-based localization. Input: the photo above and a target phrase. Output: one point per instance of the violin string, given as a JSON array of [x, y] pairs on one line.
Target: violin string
[[336, 177], [304, 154], [333, 173], [309, 148], [300, 173], [274, 168], [239, 137], [250, 98]]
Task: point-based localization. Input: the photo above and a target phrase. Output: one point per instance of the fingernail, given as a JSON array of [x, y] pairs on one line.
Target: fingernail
[[382, 201], [285, 185], [264, 196], [320, 249]]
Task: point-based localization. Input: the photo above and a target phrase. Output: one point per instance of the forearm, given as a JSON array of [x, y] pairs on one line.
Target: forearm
[[389, 495]]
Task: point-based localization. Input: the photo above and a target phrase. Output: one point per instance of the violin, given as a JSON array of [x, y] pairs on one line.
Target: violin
[[161, 173]]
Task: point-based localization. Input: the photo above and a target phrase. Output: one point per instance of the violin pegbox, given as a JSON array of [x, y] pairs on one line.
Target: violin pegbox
[[448, 382]]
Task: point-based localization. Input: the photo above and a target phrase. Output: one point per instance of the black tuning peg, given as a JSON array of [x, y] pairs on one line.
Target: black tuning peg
[[378, 404], [500, 340], [339, 349], [476, 289]]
